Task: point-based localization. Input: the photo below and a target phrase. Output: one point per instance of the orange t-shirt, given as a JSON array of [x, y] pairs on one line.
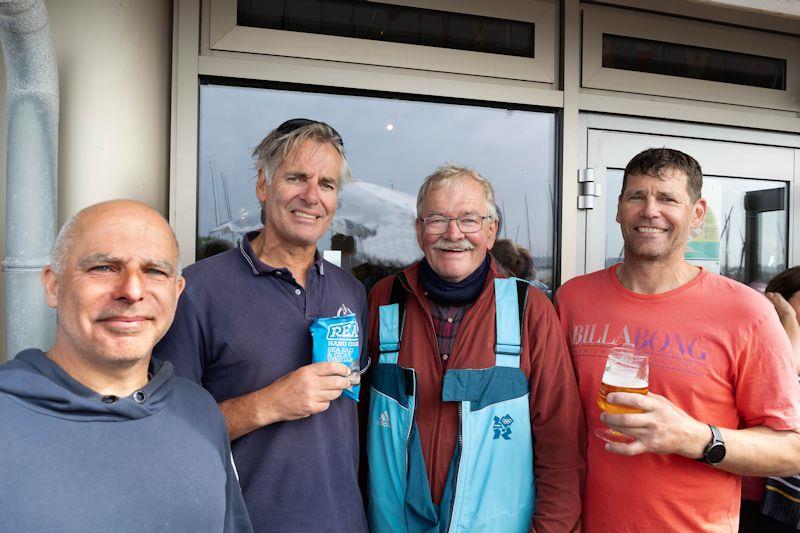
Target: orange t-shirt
[[717, 351]]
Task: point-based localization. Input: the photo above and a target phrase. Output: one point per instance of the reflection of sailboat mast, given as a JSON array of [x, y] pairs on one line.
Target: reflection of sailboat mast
[[227, 197], [726, 235], [214, 193], [741, 258], [553, 206], [528, 223], [505, 220]]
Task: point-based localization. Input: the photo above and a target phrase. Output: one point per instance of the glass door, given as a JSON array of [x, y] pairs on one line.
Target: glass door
[[746, 234]]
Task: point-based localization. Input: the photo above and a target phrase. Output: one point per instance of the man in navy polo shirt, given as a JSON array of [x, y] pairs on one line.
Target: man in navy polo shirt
[[242, 331]]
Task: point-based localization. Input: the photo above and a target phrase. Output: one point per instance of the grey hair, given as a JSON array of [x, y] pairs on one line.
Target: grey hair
[[66, 235], [58, 257], [276, 146], [449, 174]]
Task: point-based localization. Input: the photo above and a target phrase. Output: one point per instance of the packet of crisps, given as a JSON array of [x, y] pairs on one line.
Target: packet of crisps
[[336, 340]]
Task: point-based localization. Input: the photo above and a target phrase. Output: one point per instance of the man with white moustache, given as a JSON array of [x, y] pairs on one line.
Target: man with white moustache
[[723, 397], [95, 434], [242, 331], [474, 418]]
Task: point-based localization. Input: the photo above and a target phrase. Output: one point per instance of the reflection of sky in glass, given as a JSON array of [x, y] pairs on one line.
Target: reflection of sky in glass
[[772, 236], [772, 259], [392, 143]]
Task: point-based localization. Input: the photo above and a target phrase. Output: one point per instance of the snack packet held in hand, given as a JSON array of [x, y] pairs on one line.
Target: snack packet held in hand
[[336, 340]]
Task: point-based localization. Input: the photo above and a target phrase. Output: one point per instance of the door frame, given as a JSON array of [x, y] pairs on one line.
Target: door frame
[[587, 248]]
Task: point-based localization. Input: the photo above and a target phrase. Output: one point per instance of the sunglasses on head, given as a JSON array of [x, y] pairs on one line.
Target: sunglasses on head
[[296, 123]]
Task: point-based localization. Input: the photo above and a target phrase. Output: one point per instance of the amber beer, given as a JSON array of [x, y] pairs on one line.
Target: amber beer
[[619, 383], [626, 371]]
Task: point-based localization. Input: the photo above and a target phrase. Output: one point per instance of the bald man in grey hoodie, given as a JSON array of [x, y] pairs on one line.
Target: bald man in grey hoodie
[[95, 434]]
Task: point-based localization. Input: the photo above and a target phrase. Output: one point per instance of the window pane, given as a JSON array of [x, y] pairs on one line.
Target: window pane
[[392, 23], [744, 235], [671, 59], [391, 146]]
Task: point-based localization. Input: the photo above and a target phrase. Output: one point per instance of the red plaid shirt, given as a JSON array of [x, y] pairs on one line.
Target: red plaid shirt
[[446, 320]]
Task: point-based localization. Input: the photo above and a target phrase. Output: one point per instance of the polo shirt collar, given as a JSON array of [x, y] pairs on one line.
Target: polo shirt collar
[[259, 267]]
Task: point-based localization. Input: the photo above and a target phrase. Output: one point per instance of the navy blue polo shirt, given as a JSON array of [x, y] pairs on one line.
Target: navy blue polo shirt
[[242, 324]]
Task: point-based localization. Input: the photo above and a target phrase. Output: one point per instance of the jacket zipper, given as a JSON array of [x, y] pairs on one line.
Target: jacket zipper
[[413, 420], [437, 420], [455, 471], [434, 451], [414, 394]]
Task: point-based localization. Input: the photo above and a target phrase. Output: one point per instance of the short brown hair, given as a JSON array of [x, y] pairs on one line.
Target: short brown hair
[[654, 161], [786, 283]]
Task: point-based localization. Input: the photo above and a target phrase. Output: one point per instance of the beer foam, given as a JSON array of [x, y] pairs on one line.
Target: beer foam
[[622, 380]]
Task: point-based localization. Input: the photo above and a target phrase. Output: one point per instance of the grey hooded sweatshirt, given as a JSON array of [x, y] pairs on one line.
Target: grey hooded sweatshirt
[[73, 461]]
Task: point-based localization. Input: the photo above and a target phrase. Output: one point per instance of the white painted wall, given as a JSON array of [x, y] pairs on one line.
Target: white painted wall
[[114, 64]]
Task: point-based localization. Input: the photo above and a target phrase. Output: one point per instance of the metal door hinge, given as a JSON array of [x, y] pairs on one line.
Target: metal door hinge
[[588, 189]]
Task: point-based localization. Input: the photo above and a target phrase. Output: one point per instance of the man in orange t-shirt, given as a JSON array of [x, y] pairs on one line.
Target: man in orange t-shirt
[[723, 396]]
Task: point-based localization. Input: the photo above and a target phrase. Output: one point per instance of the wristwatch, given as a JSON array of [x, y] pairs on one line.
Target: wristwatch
[[715, 449]]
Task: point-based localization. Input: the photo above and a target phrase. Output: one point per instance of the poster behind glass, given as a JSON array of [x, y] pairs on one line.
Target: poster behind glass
[[744, 235]]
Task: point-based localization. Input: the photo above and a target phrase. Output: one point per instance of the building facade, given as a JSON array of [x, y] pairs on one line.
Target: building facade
[[548, 99]]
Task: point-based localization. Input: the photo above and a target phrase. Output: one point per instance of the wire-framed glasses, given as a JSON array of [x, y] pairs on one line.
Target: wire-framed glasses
[[437, 224]]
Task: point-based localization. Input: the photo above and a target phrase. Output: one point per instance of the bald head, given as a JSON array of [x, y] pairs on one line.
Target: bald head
[[114, 283], [98, 214]]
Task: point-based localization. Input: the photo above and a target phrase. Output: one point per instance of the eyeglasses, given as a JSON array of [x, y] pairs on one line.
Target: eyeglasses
[[296, 123], [436, 225]]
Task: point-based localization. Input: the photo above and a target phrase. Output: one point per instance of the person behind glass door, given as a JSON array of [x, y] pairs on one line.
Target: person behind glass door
[[496, 431], [515, 260], [242, 330], [212, 247], [784, 292], [723, 401], [97, 435], [772, 505]]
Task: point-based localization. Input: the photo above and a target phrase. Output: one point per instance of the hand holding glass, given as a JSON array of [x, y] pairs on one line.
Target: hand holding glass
[[626, 371]]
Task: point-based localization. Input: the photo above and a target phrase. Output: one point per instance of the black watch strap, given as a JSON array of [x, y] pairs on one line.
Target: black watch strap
[[714, 452]]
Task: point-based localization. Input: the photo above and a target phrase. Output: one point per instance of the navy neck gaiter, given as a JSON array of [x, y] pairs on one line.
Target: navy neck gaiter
[[447, 293]]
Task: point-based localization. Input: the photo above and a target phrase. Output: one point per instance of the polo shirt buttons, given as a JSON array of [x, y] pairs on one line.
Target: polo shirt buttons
[[445, 356], [449, 320], [298, 292]]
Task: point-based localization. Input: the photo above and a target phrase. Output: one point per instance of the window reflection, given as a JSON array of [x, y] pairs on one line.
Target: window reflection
[[744, 235], [391, 146], [393, 23], [673, 59]]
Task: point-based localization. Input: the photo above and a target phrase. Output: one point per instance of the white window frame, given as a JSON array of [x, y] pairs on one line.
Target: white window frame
[[599, 19], [224, 35], [203, 31]]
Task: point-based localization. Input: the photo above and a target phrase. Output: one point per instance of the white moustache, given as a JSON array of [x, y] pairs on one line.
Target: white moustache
[[444, 244]]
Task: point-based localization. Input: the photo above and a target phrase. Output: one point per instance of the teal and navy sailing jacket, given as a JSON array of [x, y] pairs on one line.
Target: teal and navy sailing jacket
[[442, 457]]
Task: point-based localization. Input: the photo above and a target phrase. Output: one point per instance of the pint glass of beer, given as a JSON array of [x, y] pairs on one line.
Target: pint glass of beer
[[626, 371]]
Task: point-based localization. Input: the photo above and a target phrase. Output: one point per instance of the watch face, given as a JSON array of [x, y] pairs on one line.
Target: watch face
[[715, 453]]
